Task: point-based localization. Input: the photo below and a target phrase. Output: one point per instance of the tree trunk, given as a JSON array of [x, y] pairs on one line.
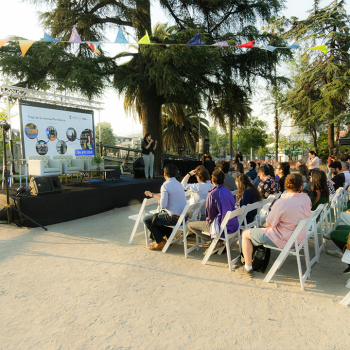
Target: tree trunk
[[314, 138], [276, 119], [230, 138], [330, 138], [151, 122]]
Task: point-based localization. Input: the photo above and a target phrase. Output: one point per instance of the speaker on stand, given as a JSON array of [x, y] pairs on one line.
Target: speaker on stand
[[203, 146]]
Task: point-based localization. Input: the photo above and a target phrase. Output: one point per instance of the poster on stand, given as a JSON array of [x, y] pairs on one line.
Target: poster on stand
[[56, 130]]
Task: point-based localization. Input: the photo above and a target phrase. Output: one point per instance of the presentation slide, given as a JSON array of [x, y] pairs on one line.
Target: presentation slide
[[54, 130]]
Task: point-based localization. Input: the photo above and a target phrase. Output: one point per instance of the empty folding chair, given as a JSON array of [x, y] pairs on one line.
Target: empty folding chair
[[228, 238]]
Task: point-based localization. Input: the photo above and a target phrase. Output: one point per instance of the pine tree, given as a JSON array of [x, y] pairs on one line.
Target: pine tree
[[154, 75], [321, 92]]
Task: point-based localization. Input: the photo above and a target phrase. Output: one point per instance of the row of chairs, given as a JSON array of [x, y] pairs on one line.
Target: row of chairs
[[319, 222]]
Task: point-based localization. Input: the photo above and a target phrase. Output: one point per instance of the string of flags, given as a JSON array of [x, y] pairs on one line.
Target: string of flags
[[145, 40]]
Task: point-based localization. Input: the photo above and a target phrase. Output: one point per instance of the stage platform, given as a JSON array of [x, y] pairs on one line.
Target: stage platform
[[78, 200]]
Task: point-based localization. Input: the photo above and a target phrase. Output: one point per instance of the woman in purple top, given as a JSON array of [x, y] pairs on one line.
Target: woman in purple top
[[219, 201]]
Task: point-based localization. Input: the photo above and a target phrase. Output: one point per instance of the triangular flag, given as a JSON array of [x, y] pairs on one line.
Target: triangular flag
[[25, 45], [319, 48], [221, 44], [248, 45], [47, 37], [3, 42], [75, 37], [269, 48], [120, 39], [93, 48], [196, 40], [292, 47], [145, 40]]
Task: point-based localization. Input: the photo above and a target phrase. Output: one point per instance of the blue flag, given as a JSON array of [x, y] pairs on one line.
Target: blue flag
[[120, 39], [47, 37], [196, 40]]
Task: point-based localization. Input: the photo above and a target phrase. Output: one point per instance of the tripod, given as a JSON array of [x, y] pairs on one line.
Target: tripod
[[8, 208]]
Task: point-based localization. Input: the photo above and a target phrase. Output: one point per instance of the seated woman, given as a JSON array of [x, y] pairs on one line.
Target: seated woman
[[239, 170], [282, 170], [284, 217], [219, 202], [268, 184], [198, 190], [247, 194], [319, 192], [304, 172]]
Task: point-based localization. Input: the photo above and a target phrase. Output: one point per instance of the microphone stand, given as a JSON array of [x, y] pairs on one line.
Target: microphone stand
[[8, 208]]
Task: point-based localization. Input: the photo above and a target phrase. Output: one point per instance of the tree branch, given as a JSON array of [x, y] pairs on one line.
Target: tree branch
[[113, 20], [177, 20], [124, 54]]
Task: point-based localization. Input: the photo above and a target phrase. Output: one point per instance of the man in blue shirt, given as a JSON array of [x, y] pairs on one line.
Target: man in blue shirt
[[252, 172], [173, 200]]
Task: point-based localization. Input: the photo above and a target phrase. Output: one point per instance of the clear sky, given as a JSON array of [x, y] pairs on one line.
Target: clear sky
[[20, 18]]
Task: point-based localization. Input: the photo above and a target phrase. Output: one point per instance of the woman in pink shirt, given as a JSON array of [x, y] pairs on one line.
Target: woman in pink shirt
[[284, 217]]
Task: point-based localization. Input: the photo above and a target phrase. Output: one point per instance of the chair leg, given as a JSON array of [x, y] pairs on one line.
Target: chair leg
[[300, 269], [210, 250], [228, 252]]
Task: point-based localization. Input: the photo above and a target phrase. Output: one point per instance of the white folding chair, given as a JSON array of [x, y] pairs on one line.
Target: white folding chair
[[312, 232], [265, 209], [182, 225], [256, 222], [139, 217], [294, 251], [346, 259], [234, 193], [228, 238]]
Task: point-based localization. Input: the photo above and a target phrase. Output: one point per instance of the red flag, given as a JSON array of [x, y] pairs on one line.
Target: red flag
[[248, 45]]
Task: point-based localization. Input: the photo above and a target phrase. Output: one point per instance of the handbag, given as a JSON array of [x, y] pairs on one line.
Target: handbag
[[214, 227]]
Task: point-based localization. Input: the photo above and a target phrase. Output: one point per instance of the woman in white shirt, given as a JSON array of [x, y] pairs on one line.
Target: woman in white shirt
[[198, 190], [313, 162]]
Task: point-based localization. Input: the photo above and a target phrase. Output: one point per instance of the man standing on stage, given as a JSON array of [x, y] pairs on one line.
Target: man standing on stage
[[173, 200]]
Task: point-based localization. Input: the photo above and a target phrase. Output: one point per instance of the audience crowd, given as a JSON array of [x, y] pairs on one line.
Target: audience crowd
[[302, 191]]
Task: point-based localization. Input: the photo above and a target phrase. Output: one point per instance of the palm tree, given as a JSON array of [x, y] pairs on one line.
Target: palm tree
[[232, 109], [180, 126]]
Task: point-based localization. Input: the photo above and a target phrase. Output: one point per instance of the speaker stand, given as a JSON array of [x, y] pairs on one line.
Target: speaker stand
[[8, 208]]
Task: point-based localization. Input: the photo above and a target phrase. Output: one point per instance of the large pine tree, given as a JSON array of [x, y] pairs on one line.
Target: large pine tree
[[321, 92], [156, 74]]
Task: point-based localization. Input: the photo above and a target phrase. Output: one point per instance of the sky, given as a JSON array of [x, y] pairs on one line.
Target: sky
[[20, 18]]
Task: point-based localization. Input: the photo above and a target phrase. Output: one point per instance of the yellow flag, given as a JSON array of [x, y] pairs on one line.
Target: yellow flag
[[145, 40], [25, 45], [320, 48], [3, 42]]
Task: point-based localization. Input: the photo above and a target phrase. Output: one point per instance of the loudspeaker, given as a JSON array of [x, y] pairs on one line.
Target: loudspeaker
[[203, 146], [40, 186]]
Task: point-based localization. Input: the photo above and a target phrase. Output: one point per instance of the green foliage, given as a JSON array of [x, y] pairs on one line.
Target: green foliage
[[97, 159], [217, 141], [107, 135], [181, 127]]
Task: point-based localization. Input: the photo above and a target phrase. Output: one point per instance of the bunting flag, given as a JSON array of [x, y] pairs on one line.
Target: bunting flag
[[221, 44], [120, 39], [269, 48], [47, 37], [25, 45], [3, 42], [320, 48], [196, 40], [75, 37], [248, 45], [145, 40], [93, 48]]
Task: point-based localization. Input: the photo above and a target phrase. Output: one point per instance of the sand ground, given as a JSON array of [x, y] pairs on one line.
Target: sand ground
[[81, 286]]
